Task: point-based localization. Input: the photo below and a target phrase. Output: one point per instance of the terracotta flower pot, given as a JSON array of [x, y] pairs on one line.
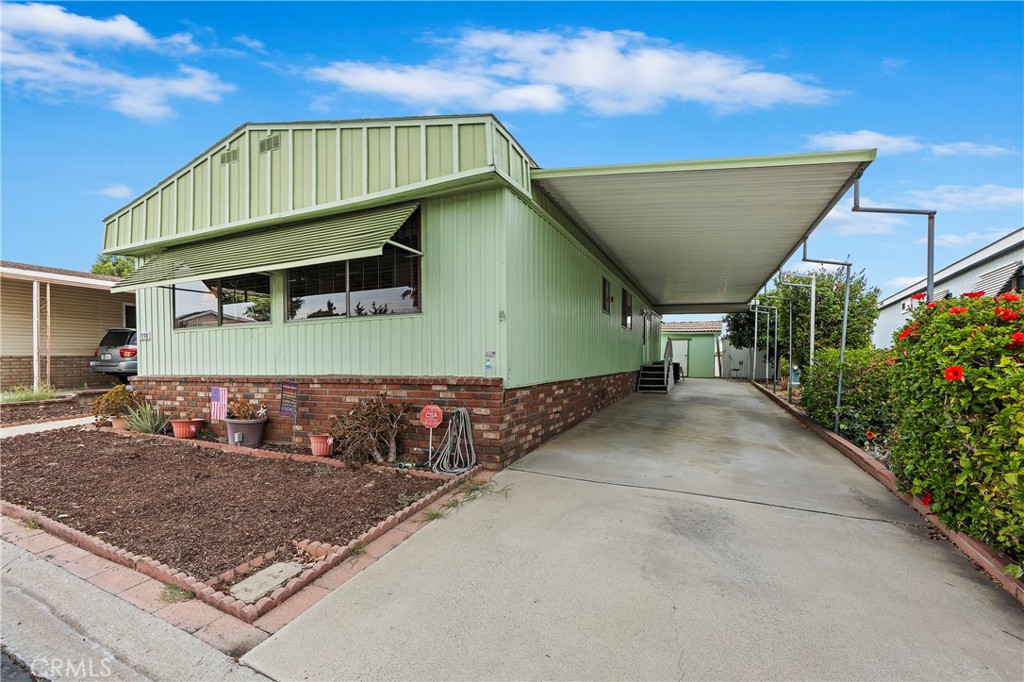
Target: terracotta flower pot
[[245, 432], [321, 444], [186, 428], [119, 423]]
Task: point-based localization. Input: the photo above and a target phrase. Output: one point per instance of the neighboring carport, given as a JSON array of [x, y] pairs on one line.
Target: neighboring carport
[[704, 236], [699, 535]]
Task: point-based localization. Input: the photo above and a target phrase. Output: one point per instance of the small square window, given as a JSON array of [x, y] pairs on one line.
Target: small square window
[[627, 310], [606, 296]]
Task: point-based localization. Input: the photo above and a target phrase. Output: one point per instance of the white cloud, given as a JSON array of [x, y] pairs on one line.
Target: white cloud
[[251, 43], [607, 72], [842, 220], [901, 144], [55, 24], [56, 55], [968, 239], [903, 281], [116, 191], [892, 64], [964, 197], [970, 149], [865, 139]]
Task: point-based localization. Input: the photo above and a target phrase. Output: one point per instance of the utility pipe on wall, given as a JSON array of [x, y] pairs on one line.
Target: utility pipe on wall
[[905, 211]]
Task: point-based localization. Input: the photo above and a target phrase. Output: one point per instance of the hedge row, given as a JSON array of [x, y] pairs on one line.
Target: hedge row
[[948, 403]]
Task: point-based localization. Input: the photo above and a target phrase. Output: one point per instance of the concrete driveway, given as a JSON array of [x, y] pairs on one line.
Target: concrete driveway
[[699, 535]]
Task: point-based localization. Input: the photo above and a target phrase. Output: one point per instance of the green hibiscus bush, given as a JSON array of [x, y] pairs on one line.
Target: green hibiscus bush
[[865, 415], [957, 384]]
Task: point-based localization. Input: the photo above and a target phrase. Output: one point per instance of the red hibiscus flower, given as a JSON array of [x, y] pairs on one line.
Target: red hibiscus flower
[[1010, 297], [957, 310], [870, 435], [974, 294], [908, 331], [954, 373], [931, 305], [919, 296], [1016, 340], [927, 499], [1008, 315]]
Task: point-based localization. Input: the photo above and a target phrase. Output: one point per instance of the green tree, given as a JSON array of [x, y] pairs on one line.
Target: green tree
[[829, 315], [110, 264]]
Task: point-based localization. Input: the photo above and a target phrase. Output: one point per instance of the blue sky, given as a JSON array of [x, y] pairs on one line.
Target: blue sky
[[102, 100]]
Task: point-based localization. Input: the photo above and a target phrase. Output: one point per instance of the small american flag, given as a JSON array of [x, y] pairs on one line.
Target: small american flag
[[218, 403]]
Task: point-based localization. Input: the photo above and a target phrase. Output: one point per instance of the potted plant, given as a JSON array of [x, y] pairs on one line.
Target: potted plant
[[115, 405], [245, 423], [322, 444], [186, 425]]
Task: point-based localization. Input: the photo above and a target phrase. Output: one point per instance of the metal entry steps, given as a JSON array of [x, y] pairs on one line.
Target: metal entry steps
[[651, 378]]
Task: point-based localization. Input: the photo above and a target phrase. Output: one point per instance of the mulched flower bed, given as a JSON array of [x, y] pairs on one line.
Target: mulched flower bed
[[209, 437], [13, 413], [198, 510]]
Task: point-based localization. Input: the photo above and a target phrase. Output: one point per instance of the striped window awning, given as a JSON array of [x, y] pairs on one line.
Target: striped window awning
[[324, 240], [994, 281]]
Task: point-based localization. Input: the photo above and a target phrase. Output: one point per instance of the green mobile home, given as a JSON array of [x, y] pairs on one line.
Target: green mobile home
[[430, 258]]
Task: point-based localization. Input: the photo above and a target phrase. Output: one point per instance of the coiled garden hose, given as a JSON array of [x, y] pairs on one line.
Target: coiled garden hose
[[455, 454]]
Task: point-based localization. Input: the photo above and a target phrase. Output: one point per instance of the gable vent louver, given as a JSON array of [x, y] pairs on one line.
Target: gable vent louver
[[269, 144], [229, 157]]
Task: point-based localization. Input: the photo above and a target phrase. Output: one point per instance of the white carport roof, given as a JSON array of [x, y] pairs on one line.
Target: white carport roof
[[704, 236]]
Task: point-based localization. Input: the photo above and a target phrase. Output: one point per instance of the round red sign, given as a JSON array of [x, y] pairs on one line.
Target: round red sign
[[431, 416]]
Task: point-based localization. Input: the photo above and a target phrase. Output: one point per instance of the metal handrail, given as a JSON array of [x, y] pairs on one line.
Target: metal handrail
[[667, 369]]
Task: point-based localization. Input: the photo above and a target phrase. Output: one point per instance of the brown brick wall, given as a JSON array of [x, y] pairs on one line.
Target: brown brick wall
[[533, 414], [506, 424], [65, 372]]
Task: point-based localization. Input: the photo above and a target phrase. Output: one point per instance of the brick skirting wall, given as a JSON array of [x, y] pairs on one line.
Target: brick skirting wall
[[507, 424], [66, 371]]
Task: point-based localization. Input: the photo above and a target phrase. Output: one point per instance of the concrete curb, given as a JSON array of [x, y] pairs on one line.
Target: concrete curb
[[992, 562]]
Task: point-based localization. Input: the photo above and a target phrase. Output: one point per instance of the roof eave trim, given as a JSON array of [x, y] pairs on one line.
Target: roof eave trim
[[852, 156]]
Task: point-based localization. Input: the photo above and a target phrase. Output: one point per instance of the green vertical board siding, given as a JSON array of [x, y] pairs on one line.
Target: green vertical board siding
[[555, 325], [472, 146], [440, 160], [313, 165], [407, 155], [502, 156], [463, 288], [701, 357], [326, 166], [201, 201], [378, 159], [166, 227], [279, 173], [257, 176], [183, 203], [302, 169], [234, 181], [353, 165], [218, 188]]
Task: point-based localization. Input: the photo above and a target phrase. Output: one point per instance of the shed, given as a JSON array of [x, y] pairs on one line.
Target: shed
[[696, 346], [432, 258], [51, 320]]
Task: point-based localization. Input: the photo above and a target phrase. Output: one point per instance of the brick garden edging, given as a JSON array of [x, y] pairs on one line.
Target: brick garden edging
[[991, 561], [331, 555]]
